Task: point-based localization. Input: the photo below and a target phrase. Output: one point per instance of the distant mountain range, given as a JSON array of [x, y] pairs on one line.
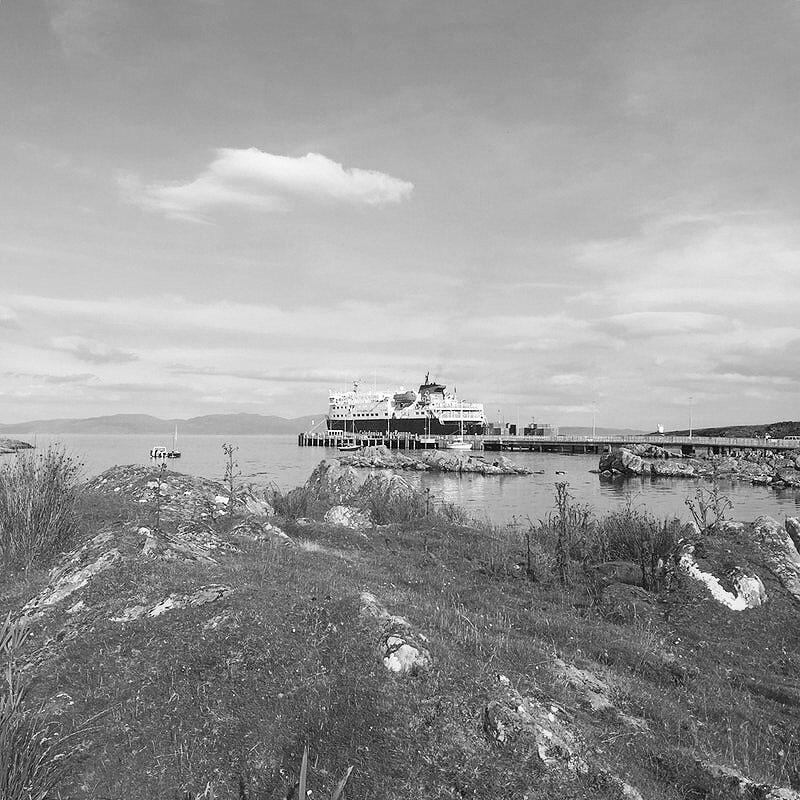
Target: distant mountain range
[[568, 430], [222, 424]]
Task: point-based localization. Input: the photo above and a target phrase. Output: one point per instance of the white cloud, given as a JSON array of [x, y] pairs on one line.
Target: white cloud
[[264, 182], [92, 351]]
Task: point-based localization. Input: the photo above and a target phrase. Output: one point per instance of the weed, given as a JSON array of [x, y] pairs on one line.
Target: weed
[[571, 522], [301, 787], [232, 474], [709, 508], [38, 497]]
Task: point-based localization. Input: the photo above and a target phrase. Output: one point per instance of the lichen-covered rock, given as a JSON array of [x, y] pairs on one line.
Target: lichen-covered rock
[[708, 779], [261, 531], [780, 553], [793, 529], [178, 497], [748, 589], [510, 718], [402, 651], [174, 602], [381, 457], [333, 484], [74, 573], [672, 469], [191, 541], [625, 602], [622, 461], [347, 517]]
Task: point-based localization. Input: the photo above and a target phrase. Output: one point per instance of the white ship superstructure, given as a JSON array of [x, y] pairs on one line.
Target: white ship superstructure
[[428, 410]]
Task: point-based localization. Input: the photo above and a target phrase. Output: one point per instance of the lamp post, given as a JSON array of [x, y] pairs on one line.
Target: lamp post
[[691, 400]]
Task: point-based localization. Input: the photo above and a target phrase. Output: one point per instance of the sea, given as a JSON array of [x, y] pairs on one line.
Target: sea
[[278, 461]]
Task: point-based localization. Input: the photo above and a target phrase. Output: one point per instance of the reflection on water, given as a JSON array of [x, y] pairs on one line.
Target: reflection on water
[[278, 459]]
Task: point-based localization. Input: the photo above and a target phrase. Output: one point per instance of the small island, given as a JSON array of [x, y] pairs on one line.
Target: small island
[[9, 446]]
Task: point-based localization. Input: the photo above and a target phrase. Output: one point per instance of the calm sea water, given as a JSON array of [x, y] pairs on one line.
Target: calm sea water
[[278, 460]]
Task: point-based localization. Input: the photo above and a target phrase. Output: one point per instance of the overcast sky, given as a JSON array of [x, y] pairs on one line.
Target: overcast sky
[[233, 205]]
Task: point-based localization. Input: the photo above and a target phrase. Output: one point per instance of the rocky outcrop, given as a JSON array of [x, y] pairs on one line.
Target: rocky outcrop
[[510, 718], [621, 461], [672, 469], [174, 602], [780, 553], [760, 468], [75, 571], [706, 779], [401, 650], [381, 457], [747, 588], [179, 498], [595, 693], [347, 517], [8, 446], [333, 484]]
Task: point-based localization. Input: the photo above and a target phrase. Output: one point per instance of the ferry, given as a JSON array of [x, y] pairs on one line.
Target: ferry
[[427, 411]]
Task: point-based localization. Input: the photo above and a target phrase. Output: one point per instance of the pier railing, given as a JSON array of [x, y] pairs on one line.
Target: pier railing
[[580, 443]]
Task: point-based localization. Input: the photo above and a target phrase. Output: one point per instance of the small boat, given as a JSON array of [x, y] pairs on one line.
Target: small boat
[[348, 446], [159, 453], [174, 453], [459, 444], [427, 441]]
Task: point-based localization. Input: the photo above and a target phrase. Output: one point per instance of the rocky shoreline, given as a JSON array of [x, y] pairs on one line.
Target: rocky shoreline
[[760, 468], [381, 457], [9, 446]]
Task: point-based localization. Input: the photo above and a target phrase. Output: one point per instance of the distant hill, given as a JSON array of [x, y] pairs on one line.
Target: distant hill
[[569, 430], [223, 424], [776, 430]]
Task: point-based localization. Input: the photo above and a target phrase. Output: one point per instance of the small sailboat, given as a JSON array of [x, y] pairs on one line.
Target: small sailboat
[[349, 445], [459, 444], [427, 440], [174, 453]]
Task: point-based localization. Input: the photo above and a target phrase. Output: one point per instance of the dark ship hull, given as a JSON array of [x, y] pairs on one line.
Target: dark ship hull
[[420, 427]]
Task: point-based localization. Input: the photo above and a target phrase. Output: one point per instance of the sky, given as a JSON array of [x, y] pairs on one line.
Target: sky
[[560, 209]]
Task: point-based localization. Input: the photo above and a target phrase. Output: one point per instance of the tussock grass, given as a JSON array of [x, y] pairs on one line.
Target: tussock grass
[[38, 498]]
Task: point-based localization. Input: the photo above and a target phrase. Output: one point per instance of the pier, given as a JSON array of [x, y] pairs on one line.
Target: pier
[[687, 445]]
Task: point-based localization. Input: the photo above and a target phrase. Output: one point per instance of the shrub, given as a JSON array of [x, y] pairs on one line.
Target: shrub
[[631, 534], [38, 498], [292, 504]]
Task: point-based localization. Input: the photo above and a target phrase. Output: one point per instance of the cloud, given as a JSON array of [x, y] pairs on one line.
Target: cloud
[[8, 318], [346, 321], [262, 181], [54, 380], [92, 351], [663, 323], [83, 26]]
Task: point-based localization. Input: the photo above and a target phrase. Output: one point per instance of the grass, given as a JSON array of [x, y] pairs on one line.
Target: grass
[[38, 498], [35, 754], [228, 712]]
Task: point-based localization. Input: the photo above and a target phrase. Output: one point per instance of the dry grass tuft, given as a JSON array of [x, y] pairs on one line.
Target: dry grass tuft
[[38, 498]]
